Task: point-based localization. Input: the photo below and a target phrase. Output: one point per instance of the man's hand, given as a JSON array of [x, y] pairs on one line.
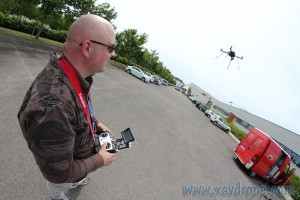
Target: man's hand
[[107, 157], [102, 128]]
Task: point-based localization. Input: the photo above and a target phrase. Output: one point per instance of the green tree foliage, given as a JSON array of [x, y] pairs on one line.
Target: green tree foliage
[[60, 14], [104, 10], [189, 90], [151, 60], [130, 45], [27, 8], [49, 8]]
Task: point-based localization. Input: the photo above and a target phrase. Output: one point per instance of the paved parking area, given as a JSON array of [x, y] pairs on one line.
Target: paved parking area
[[176, 146]]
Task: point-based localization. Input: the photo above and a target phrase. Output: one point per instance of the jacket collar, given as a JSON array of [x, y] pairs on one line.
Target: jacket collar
[[85, 83]]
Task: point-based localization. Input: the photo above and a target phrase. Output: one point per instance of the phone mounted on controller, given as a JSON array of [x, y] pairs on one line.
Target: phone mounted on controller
[[113, 145]]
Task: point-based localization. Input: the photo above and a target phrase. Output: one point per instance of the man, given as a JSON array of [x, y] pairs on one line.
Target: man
[[56, 117]]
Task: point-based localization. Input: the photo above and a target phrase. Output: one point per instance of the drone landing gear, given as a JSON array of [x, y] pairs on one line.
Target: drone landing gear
[[232, 56]]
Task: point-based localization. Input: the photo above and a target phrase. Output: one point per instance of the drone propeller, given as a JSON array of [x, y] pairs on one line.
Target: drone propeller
[[219, 55], [232, 56]]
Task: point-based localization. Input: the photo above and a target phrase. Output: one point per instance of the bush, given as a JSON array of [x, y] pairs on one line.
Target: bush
[[16, 23], [27, 26], [59, 36], [295, 183], [235, 130]]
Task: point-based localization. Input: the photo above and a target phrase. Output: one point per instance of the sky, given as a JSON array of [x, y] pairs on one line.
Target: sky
[[188, 36]]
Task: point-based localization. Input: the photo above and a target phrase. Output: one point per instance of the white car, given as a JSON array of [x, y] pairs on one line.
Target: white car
[[193, 99], [151, 77], [220, 122], [137, 72], [209, 113]]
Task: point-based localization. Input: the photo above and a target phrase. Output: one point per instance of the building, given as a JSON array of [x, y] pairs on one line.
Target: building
[[245, 121]]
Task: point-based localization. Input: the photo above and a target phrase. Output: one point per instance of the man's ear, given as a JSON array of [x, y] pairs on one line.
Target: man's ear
[[86, 48]]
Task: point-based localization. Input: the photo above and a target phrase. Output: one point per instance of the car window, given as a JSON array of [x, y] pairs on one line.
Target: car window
[[136, 68]]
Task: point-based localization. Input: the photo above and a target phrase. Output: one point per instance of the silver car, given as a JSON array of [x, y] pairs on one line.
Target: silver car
[[220, 122], [209, 113], [151, 77], [137, 72]]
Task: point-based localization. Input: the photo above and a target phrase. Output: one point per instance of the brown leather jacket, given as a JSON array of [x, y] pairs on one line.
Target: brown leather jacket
[[55, 127]]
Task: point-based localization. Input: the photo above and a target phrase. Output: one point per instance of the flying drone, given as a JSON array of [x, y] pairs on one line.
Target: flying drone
[[231, 54]]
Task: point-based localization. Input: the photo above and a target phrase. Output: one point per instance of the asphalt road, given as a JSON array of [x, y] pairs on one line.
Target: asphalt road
[[176, 146]]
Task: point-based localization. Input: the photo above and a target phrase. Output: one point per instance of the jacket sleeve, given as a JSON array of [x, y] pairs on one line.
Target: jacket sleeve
[[50, 136]]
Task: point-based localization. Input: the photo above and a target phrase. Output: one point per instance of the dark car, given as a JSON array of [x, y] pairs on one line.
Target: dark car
[[156, 81], [177, 88], [202, 107]]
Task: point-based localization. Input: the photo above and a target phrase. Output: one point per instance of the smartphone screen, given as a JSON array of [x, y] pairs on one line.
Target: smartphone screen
[[127, 135]]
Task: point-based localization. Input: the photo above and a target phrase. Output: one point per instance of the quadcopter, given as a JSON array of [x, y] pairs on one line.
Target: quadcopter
[[232, 56]]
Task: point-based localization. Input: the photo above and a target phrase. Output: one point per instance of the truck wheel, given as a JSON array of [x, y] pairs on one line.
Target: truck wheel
[[251, 173]]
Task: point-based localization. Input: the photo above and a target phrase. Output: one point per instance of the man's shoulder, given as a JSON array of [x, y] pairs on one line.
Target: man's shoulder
[[51, 83], [51, 86]]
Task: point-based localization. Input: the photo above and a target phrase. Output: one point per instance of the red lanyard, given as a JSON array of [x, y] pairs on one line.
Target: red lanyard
[[69, 71]]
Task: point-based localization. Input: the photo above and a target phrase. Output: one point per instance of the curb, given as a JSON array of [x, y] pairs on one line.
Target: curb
[[283, 192]]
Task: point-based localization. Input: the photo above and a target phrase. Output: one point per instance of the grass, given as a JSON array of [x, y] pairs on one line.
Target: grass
[[117, 64], [5, 31], [235, 130], [295, 182]]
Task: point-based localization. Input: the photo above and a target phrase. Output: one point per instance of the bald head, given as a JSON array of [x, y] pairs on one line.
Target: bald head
[[90, 27]]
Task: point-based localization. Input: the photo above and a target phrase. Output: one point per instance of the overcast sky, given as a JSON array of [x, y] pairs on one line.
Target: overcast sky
[[189, 35]]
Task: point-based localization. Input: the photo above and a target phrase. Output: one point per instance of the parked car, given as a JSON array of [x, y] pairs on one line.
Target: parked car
[[220, 122], [156, 80], [209, 113], [137, 72], [193, 99], [177, 88], [150, 76], [202, 107], [164, 82]]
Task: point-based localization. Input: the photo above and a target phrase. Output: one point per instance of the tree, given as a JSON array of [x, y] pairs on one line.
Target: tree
[[150, 60], [104, 10], [130, 45], [189, 90], [48, 8], [27, 8], [60, 14]]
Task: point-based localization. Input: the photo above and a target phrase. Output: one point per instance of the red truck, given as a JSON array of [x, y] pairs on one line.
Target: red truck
[[262, 156]]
